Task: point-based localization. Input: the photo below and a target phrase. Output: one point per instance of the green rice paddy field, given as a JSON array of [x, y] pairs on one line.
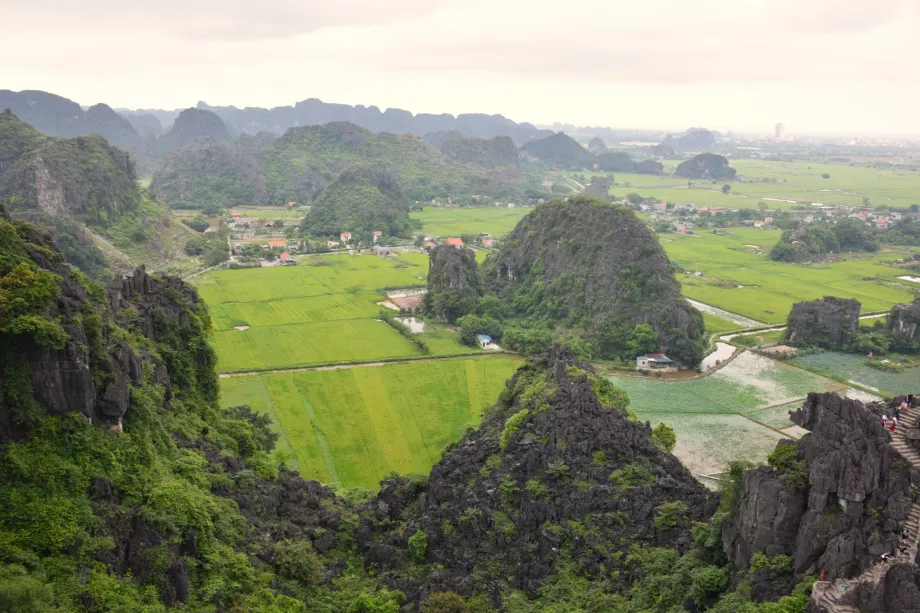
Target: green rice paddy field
[[353, 426], [321, 311], [856, 368], [497, 221], [738, 276], [738, 412], [794, 181]]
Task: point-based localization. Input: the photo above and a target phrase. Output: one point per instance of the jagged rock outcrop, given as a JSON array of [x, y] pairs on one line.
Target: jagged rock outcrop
[[191, 124], [663, 151], [694, 139], [897, 592], [829, 323], [833, 500], [598, 188], [904, 324], [706, 166], [583, 260], [556, 461], [454, 284]]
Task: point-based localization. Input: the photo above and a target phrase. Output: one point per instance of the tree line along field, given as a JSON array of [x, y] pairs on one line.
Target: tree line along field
[[321, 311], [494, 220], [794, 182], [742, 279], [738, 412], [354, 426]]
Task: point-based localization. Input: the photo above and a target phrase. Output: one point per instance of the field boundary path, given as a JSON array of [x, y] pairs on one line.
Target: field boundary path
[[467, 356], [840, 596]]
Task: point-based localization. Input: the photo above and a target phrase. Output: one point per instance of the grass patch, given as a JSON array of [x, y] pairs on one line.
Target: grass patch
[[497, 221]]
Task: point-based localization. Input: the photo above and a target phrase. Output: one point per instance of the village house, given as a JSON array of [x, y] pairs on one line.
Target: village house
[[653, 360], [383, 252], [660, 207], [487, 242], [332, 244], [277, 243], [682, 229], [377, 234], [292, 203], [809, 218], [430, 245], [768, 220], [758, 224], [345, 236], [484, 341], [287, 260], [455, 242]]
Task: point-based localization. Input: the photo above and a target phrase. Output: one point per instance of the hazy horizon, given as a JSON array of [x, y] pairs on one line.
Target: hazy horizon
[[662, 65]]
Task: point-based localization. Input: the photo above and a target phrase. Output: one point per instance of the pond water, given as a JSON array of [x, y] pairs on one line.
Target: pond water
[[414, 324], [723, 352]]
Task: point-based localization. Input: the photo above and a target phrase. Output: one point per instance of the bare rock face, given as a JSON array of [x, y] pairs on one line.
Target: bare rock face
[[840, 509], [904, 323], [897, 592], [830, 323], [557, 461]]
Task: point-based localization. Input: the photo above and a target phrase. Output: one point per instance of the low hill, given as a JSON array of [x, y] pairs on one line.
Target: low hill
[[360, 200], [454, 284], [207, 173], [145, 124], [706, 166], [594, 268], [597, 145], [815, 240], [495, 153], [190, 125], [696, 139], [85, 190], [557, 151], [300, 164]]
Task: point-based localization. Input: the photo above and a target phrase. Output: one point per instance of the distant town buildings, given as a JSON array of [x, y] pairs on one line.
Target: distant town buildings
[[779, 131]]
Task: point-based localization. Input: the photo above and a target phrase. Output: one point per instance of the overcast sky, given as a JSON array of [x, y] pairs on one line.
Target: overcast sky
[[819, 66]]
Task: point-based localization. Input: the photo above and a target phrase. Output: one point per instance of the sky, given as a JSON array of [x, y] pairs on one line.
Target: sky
[[819, 66]]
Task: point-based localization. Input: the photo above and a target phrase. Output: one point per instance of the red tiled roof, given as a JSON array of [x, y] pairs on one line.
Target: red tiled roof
[[454, 241], [654, 355], [285, 255], [278, 243]]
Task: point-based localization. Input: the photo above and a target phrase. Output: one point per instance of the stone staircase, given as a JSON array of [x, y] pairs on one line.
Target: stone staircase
[[840, 596]]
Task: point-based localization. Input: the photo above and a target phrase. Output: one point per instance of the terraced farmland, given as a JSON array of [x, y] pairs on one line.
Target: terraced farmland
[[353, 426]]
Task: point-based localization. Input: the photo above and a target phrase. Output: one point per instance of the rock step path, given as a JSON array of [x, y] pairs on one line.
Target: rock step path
[[838, 597]]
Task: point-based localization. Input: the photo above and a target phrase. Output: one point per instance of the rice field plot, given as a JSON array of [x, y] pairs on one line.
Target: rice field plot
[[747, 383], [354, 426], [309, 344], [856, 368], [707, 443], [288, 311], [496, 221], [717, 325], [738, 412], [736, 275]]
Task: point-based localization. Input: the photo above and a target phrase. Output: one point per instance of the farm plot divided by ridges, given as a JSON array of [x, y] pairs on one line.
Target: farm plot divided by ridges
[[738, 278], [856, 368], [496, 221], [321, 311], [707, 443], [356, 425], [736, 413], [747, 383]]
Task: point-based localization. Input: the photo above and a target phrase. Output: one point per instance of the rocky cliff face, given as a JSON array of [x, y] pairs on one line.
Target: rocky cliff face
[[833, 501], [454, 284], [830, 323], [897, 592], [583, 260], [557, 464], [904, 324]]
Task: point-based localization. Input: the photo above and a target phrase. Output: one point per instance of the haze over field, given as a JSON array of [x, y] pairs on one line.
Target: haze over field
[[824, 66]]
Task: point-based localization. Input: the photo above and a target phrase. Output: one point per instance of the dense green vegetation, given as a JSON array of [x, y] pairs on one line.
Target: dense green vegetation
[[590, 274], [299, 165], [362, 199], [818, 239], [706, 166]]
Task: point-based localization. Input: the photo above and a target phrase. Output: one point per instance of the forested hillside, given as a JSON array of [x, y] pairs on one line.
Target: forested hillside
[[79, 187], [304, 161]]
